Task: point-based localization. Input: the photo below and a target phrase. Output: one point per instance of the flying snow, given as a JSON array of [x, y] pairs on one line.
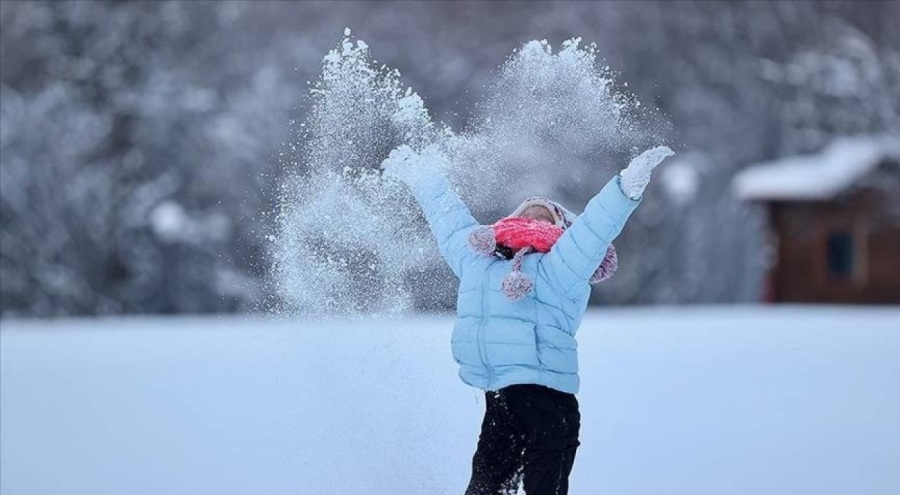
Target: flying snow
[[351, 242]]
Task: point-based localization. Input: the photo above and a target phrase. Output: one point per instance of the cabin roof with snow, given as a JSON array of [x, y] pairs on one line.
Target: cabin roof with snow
[[817, 176]]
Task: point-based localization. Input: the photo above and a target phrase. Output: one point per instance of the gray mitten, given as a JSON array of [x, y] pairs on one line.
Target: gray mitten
[[636, 175], [404, 164]]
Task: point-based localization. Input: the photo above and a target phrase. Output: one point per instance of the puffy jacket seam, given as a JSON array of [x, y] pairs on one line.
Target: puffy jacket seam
[[534, 331], [609, 215], [513, 318], [554, 372], [522, 366], [587, 253], [592, 229], [551, 346], [566, 264]]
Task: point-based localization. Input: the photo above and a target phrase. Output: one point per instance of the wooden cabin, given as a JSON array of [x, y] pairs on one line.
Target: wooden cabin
[[834, 222]]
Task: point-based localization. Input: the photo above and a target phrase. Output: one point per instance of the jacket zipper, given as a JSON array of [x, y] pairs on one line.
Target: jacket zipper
[[482, 346]]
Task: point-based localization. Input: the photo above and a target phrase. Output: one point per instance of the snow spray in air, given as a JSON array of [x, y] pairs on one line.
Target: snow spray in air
[[548, 122], [352, 243]]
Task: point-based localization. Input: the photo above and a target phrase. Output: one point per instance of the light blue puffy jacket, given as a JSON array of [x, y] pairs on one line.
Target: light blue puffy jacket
[[498, 342]]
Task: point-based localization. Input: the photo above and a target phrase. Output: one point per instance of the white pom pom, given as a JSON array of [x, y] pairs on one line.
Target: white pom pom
[[482, 240], [516, 285]]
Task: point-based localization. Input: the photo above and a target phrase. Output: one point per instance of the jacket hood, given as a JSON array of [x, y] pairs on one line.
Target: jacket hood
[[562, 217]]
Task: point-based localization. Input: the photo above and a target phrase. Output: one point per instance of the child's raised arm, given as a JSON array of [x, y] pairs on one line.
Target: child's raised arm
[[580, 250], [448, 217]]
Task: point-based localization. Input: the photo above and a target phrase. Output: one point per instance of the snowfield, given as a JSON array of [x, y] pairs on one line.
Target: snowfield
[[700, 401]]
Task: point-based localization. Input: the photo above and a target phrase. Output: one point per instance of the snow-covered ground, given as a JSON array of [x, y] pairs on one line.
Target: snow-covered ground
[[714, 401]]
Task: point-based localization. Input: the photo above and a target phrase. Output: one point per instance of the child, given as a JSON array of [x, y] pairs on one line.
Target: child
[[523, 290]]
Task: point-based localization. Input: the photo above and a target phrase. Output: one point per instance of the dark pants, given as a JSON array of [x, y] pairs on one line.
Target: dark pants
[[529, 434]]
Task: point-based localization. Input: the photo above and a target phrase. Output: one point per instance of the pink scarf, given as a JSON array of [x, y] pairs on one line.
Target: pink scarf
[[518, 232], [517, 236]]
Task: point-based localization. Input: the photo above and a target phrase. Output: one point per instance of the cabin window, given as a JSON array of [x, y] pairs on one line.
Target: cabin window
[[840, 254]]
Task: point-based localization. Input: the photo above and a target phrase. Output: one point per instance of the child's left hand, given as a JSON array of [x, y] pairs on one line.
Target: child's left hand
[[636, 175]]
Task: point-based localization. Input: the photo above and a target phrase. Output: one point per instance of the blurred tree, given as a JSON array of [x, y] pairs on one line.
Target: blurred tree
[[132, 180], [140, 141]]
